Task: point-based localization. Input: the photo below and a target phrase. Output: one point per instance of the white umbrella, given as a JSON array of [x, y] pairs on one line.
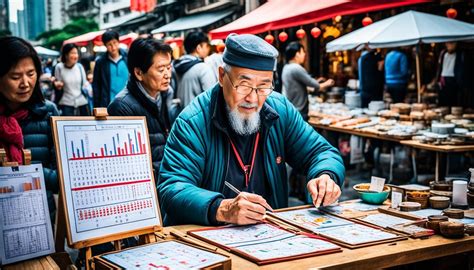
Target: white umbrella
[[408, 28], [45, 51]]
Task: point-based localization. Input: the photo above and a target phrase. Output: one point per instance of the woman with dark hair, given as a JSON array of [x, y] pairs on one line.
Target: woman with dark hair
[[71, 81], [148, 92], [24, 113]]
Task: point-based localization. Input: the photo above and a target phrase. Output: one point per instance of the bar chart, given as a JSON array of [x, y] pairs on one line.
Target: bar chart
[[107, 175]]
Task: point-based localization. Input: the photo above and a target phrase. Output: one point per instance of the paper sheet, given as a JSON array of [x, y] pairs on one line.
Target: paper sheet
[[244, 235], [25, 225], [293, 246], [355, 234], [312, 219], [384, 220], [107, 177], [166, 255], [350, 207]]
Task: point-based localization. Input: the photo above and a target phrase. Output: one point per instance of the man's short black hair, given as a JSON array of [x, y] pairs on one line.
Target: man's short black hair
[[109, 35], [193, 39], [141, 53], [292, 49]]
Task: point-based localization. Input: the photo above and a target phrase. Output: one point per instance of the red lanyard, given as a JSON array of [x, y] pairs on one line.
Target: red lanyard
[[247, 169]]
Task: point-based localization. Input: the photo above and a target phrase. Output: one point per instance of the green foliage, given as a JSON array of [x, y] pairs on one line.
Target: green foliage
[[54, 38]]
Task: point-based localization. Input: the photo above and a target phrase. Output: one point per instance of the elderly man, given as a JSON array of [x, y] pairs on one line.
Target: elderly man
[[242, 132]]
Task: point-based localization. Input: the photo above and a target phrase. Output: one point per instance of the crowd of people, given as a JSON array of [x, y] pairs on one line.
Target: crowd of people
[[206, 121]]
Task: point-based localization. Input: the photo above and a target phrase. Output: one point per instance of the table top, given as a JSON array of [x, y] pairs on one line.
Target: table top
[[438, 148], [315, 123], [415, 144], [378, 256]]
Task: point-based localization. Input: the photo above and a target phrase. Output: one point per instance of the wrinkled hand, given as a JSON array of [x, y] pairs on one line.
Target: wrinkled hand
[[246, 208], [324, 191]]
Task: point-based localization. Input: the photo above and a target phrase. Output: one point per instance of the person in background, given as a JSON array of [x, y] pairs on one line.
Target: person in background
[[371, 76], [110, 71], [296, 79], [396, 74], [193, 75], [215, 59], [148, 92], [24, 113], [455, 81], [71, 81], [242, 132]]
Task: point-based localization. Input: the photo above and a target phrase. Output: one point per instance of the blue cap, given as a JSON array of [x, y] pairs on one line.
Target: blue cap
[[250, 51]]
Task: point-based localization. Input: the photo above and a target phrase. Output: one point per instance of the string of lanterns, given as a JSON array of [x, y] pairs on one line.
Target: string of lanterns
[[316, 32]]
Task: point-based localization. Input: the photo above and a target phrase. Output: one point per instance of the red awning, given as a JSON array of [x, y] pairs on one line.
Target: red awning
[[84, 39], [128, 38], [279, 14]]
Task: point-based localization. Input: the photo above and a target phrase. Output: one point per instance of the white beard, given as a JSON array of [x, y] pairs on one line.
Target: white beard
[[241, 125]]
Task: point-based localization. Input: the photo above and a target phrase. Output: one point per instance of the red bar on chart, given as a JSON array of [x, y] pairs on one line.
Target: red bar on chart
[[101, 151], [36, 183], [126, 149], [140, 142]]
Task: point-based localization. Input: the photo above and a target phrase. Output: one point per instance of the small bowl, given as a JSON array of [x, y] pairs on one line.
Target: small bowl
[[454, 213], [409, 206], [451, 229], [441, 185], [371, 197], [439, 202], [434, 220]]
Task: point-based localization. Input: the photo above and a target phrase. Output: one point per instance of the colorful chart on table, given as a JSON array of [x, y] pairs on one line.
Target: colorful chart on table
[[107, 177], [25, 224], [165, 256]]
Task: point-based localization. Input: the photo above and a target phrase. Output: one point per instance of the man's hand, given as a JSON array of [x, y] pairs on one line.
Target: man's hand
[[246, 208], [323, 190]]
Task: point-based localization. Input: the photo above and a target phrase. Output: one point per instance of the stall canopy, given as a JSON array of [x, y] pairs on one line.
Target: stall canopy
[[279, 14], [408, 28], [128, 38], [84, 39], [193, 21], [45, 51]]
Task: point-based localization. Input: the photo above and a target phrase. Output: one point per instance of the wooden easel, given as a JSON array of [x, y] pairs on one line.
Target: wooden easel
[[146, 236], [4, 160]]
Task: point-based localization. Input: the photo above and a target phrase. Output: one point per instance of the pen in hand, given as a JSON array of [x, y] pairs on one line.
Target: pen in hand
[[234, 189]]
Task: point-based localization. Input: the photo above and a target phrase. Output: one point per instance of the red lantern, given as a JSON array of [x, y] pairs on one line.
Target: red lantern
[[300, 33], [451, 13], [315, 32], [269, 38], [366, 21], [283, 36]]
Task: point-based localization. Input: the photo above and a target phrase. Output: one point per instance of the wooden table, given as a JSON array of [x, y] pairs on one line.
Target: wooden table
[[373, 257], [438, 149], [352, 131]]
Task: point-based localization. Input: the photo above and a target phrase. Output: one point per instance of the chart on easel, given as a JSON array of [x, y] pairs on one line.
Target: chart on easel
[[107, 175]]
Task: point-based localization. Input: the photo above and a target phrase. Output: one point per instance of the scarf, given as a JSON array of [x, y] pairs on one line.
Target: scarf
[[11, 136]]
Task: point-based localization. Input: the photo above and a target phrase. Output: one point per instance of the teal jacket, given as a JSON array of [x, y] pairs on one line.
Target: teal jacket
[[196, 156]]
